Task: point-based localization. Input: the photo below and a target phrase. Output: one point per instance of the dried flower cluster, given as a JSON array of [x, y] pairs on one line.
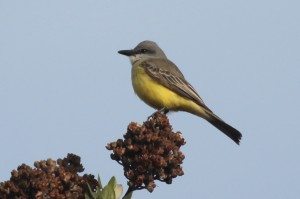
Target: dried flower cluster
[[149, 152], [49, 179]]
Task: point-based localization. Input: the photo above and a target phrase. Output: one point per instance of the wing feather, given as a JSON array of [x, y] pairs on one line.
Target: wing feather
[[167, 74]]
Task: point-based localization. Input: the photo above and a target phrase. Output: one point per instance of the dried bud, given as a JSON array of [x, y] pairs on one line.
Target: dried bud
[[49, 179], [149, 152]]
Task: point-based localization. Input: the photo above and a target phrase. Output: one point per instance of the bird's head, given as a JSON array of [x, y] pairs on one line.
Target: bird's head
[[144, 50]]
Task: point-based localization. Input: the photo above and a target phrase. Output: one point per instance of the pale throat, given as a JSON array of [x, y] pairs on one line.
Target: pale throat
[[135, 58]]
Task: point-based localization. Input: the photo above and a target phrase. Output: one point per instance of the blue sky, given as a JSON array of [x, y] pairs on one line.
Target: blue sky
[[64, 88]]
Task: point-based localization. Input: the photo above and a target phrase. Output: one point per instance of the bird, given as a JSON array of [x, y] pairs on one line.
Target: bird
[[159, 83]]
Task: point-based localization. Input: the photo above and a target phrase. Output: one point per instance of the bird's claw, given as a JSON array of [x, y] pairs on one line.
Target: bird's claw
[[163, 110]]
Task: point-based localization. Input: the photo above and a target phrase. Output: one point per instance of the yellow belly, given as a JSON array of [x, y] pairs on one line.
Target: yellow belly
[[158, 96]]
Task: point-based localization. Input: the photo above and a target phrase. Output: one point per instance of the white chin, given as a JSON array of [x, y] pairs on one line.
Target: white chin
[[134, 58]]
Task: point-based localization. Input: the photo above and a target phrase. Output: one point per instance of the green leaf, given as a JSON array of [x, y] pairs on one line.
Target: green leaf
[[91, 194], [99, 183], [111, 191], [112, 182], [118, 191], [108, 191]]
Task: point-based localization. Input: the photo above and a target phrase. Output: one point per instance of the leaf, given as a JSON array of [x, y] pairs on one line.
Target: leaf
[[99, 183], [89, 195], [111, 191], [112, 182], [108, 192], [118, 191]]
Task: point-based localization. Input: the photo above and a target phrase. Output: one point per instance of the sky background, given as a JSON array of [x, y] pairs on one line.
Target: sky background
[[64, 89]]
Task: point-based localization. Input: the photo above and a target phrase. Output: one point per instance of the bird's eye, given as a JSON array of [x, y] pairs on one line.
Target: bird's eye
[[144, 50]]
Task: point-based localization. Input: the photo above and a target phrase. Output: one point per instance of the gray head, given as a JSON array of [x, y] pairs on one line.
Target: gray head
[[144, 50]]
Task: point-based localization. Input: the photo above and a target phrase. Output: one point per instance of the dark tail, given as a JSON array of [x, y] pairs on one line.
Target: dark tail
[[228, 130]]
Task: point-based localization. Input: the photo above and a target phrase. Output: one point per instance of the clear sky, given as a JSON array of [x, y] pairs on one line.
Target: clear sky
[[64, 88]]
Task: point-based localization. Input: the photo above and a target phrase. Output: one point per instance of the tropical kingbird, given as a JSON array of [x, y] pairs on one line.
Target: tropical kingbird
[[161, 85]]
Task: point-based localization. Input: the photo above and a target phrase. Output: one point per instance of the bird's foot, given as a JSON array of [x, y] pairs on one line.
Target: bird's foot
[[163, 110]]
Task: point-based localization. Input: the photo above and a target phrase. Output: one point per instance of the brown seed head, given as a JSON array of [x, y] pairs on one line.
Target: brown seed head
[[49, 179], [149, 152]]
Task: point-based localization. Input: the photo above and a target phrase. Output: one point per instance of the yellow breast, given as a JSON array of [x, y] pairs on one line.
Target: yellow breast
[[156, 95]]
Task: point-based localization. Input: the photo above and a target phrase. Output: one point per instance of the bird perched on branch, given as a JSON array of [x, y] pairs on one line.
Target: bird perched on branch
[[161, 85]]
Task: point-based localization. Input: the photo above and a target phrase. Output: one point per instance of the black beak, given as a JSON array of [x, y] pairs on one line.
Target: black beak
[[126, 52]]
